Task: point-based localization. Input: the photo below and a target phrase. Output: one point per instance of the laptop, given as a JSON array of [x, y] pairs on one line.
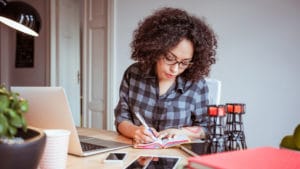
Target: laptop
[[49, 109]]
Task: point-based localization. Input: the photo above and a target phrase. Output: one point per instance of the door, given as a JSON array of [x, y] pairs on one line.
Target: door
[[94, 63], [79, 57], [65, 51]]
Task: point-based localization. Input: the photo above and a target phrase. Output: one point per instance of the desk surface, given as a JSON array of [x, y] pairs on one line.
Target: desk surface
[[96, 161]]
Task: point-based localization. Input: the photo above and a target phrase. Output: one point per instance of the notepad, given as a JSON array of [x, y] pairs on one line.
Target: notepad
[[164, 143]]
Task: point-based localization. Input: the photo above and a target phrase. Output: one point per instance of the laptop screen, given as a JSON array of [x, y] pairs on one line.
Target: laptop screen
[[49, 109]]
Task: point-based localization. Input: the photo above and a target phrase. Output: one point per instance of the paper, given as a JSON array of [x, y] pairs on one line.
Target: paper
[[164, 143]]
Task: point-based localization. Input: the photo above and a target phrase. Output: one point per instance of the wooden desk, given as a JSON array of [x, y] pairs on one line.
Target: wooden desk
[[96, 161]]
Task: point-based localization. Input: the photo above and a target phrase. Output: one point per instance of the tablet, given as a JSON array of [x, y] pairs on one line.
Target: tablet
[[194, 148], [115, 158], [150, 162]]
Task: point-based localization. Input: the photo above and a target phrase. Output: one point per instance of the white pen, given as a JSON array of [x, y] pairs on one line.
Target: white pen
[[142, 120]]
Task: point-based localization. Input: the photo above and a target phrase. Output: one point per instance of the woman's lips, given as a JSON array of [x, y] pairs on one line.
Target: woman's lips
[[169, 76]]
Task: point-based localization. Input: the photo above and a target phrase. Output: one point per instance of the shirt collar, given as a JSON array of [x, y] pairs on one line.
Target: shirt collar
[[180, 82], [150, 73]]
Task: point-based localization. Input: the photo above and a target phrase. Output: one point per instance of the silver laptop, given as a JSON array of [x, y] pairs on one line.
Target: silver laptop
[[49, 109]]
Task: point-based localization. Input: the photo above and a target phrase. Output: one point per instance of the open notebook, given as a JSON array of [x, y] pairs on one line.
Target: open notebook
[[49, 109], [165, 143]]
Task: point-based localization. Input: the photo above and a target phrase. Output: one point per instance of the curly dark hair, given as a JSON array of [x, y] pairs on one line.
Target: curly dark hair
[[163, 30]]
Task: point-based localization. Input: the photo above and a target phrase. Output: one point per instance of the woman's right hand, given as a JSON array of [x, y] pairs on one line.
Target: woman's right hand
[[143, 135]]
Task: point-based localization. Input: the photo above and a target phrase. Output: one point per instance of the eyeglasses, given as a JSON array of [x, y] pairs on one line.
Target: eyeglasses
[[171, 59]]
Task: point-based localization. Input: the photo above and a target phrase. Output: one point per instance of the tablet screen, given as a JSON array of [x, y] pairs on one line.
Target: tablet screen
[[154, 162], [194, 148]]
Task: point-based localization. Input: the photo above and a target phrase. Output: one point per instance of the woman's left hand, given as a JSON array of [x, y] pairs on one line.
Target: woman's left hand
[[169, 133]]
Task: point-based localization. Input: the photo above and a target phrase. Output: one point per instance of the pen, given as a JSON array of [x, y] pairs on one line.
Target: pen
[[142, 120]]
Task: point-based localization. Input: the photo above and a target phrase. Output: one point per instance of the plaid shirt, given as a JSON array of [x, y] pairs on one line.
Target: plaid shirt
[[184, 104]]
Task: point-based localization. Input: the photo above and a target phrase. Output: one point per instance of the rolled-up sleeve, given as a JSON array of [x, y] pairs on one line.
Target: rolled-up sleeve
[[201, 101], [122, 109]]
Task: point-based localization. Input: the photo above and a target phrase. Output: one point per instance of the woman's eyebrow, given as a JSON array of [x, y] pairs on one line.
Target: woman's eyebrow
[[189, 59]]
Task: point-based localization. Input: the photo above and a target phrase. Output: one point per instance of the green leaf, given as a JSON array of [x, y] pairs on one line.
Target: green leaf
[[23, 105], [24, 123], [296, 136], [4, 102], [288, 142], [16, 121], [12, 131], [3, 125], [12, 113], [12, 109], [3, 90]]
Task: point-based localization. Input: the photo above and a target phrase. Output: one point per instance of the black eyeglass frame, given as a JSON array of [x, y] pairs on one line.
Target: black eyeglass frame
[[174, 61]]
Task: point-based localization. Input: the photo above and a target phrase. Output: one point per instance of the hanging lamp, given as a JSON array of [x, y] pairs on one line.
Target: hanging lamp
[[20, 16]]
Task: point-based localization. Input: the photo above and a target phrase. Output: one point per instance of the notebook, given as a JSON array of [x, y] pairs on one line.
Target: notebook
[[164, 143], [49, 109], [260, 157]]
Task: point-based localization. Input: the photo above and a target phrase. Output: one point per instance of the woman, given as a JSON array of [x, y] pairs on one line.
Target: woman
[[173, 52]]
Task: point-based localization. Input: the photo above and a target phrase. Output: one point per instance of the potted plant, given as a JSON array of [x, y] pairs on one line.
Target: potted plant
[[20, 146], [292, 141]]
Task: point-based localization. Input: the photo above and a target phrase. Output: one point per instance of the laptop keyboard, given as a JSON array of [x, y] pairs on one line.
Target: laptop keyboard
[[89, 144], [89, 147]]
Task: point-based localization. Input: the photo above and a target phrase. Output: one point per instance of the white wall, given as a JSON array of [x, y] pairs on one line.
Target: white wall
[[37, 75], [258, 57]]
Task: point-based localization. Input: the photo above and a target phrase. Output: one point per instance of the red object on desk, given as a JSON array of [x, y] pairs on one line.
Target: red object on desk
[[214, 110], [235, 108], [238, 108], [229, 108], [221, 111], [256, 158]]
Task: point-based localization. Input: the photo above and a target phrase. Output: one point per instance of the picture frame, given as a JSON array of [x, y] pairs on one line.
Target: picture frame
[[24, 51]]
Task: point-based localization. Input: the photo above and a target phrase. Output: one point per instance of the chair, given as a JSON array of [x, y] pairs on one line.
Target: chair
[[214, 91]]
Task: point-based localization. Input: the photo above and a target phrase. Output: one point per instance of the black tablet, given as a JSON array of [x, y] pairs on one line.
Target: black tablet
[[115, 158], [153, 162], [194, 148]]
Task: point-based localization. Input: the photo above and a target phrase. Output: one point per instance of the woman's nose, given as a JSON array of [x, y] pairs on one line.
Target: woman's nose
[[174, 68]]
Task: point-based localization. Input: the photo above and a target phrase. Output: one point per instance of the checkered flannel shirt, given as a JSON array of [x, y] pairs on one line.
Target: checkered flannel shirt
[[184, 104]]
